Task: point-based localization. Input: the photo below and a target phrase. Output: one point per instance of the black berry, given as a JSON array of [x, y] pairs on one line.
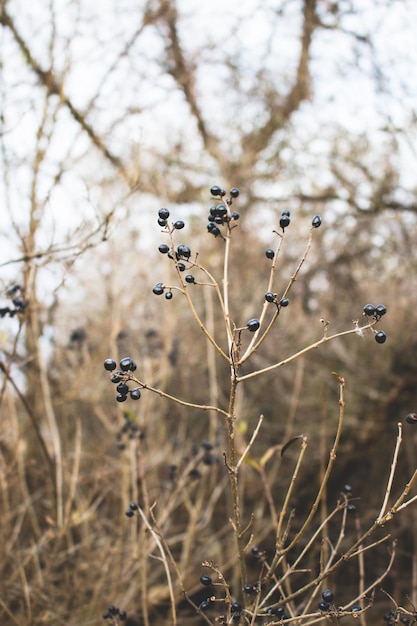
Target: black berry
[[121, 397], [249, 589], [327, 595], [269, 253], [179, 224], [162, 222], [205, 580], [113, 610], [284, 221], [129, 513], [380, 337], [158, 290], [369, 310], [213, 229], [163, 248], [286, 213], [411, 418], [133, 506], [122, 615], [351, 508], [163, 214], [234, 192], [110, 365], [189, 279], [347, 489], [184, 251], [270, 297], [235, 215], [215, 190], [205, 605], [117, 376], [323, 605], [355, 608], [236, 607], [380, 310], [135, 394], [123, 388], [126, 364], [253, 325], [316, 221], [169, 295], [284, 302]]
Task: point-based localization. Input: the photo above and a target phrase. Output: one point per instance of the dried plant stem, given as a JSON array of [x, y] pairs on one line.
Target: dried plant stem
[[251, 442], [309, 348], [192, 405], [279, 538], [164, 560], [254, 344], [392, 473], [233, 479], [281, 551]]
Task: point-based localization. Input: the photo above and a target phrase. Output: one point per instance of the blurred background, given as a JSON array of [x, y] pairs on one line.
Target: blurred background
[[110, 111]]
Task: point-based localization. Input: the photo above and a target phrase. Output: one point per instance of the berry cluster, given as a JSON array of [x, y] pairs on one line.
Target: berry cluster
[[326, 601], [114, 614], [179, 254], [279, 612], [392, 616], [129, 430], [285, 220], [273, 298], [121, 377], [133, 507], [163, 215], [376, 312], [220, 214], [19, 304]]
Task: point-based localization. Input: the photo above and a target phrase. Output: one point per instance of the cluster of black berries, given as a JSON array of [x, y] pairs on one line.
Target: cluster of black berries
[[279, 612], [326, 601], [273, 298], [121, 377], [129, 430], [115, 614], [285, 219], [163, 215], [391, 618], [376, 312], [206, 457], [220, 213], [133, 507], [351, 508], [19, 304], [284, 222]]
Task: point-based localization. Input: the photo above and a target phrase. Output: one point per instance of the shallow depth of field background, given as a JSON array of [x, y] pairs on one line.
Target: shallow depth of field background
[[112, 110]]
